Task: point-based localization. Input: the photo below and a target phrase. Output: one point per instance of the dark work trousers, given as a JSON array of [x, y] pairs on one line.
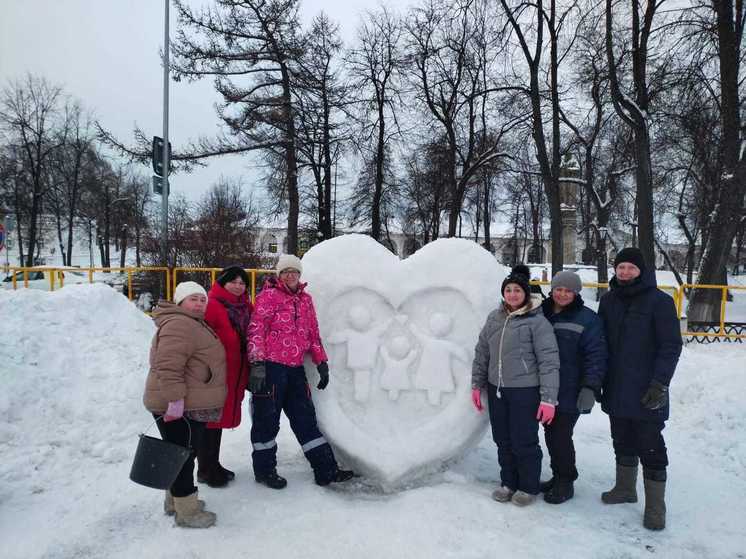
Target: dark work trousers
[[558, 436], [515, 430], [634, 438], [286, 389], [178, 432]]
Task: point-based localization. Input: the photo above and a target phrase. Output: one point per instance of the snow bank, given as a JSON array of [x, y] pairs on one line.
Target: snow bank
[[72, 365]]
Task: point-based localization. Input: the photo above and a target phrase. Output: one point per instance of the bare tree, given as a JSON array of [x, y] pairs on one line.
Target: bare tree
[[634, 110], [70, 161], [529, 22], [28, 109], [725, 19], [320, 97], [375, 65], [450, 45]]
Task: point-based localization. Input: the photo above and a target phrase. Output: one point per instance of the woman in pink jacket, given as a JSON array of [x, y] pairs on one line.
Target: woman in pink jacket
[[283, 329]]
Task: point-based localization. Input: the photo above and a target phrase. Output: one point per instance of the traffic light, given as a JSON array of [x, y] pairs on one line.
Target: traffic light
[[157, 155]]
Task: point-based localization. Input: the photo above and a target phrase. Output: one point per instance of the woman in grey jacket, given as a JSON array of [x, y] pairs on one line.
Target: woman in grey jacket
[[516, 360]]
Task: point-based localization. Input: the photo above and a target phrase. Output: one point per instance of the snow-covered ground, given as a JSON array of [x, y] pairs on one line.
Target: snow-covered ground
[[72, 366]]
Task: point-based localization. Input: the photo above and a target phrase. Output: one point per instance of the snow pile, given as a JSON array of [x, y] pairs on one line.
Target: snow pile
[[73, 363]]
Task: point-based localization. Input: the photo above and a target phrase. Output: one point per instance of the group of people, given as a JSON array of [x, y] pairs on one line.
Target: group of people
[[209, 348], [549, 361], [539, 361]]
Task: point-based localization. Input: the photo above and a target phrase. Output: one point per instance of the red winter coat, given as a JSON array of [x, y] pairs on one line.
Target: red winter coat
[[284, 326], [237, 363]]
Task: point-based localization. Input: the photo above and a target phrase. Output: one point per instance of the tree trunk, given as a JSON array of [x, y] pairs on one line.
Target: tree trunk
[[725, 218], [487, 215], [375, 220], [60, 242], [291, 161]]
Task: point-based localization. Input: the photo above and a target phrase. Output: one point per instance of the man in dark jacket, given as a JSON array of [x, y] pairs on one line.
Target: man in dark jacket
[[582, 349], [644, 343]]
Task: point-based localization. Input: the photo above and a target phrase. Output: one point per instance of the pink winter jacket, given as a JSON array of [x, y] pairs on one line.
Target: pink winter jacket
[[284, 327]]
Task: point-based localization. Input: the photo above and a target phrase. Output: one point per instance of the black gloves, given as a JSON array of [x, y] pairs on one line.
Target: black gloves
[[586, 399], [257, 375], [323, 370], [655, 397]]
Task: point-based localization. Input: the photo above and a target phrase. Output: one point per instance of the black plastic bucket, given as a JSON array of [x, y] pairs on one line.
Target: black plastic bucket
[[157, 462]]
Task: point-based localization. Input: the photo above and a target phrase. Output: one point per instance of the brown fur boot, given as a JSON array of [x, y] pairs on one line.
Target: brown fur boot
[[190, 515], [168, 504]]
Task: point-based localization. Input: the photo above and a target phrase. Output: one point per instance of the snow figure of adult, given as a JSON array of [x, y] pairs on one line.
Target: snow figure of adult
[[434, 373], [362, 348], [397, 356]]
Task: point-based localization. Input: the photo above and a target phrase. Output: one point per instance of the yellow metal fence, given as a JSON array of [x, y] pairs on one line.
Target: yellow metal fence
[[55, 277]]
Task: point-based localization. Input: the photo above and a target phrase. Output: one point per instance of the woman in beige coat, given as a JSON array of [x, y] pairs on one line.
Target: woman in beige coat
[[185, 385]]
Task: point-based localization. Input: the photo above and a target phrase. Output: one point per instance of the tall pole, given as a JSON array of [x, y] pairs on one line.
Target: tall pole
[[166, 186]]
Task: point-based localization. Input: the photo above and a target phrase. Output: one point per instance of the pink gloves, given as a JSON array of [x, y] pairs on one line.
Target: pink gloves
[[174, 411], [476, 399], [545, 413]]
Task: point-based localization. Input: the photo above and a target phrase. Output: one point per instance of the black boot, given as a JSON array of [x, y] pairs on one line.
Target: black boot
[[209, 470], [562, 490], [339, 476], [655, 499], [271, 479], [545, 486]]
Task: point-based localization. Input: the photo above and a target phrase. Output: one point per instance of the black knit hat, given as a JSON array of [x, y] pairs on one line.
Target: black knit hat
[[518, 275], [230, 273], [633, 255]]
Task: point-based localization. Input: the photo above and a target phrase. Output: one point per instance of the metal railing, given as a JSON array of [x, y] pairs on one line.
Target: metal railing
[[55, 276]]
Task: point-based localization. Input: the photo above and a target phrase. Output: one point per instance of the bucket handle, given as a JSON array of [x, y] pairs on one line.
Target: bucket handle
[[189, 441]]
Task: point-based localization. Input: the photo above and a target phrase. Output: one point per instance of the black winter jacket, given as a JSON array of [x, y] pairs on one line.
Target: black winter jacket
[[644, 341], [582, 349]]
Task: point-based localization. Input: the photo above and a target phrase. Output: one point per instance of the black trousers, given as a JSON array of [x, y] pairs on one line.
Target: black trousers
[[634, 438], [558, 436], [178, 432], [208, 452], [515, 431]]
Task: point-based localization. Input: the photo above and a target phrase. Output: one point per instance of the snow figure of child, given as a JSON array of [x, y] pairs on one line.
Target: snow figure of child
[[397, 356], [434, 373], [362, 348]]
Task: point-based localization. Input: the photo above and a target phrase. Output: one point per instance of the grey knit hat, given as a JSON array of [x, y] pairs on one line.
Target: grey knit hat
[[568, 280]]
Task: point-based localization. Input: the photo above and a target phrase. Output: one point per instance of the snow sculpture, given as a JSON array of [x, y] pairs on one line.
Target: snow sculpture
[[400, 337]]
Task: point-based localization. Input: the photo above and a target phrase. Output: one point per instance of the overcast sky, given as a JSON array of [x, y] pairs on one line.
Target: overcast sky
[[105, 53]]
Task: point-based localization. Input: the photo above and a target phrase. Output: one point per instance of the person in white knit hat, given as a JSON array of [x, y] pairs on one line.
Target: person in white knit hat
[[283, 329], [185, 388]]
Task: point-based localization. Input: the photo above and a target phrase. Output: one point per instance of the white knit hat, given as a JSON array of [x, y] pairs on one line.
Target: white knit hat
[[288, 261], [187, 288]]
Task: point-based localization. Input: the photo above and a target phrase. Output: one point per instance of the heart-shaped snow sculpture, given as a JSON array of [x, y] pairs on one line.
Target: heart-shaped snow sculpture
[[400, 335]]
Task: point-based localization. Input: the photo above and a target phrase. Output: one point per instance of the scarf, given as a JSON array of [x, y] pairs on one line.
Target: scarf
[[239, 316]]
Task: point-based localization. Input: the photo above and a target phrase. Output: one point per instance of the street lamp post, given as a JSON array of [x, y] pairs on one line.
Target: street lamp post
[[166, 185]]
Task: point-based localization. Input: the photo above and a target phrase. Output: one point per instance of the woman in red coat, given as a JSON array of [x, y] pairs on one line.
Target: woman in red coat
[[228, 314]]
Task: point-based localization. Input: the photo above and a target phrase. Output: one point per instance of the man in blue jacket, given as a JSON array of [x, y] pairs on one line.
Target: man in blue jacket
[[582, 349], [644, 343]]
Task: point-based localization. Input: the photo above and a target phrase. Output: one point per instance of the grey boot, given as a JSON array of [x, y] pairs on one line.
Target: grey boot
[[168, 504], [655, 504], [625, 489], [190, 515]]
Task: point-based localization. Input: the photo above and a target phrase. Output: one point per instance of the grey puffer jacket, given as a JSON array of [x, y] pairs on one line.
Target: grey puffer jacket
[[517, 350]]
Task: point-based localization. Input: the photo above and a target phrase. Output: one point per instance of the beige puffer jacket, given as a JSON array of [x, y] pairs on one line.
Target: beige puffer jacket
[[187, 361]]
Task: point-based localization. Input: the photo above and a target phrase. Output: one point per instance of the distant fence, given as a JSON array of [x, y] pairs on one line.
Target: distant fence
[[161, 280]]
